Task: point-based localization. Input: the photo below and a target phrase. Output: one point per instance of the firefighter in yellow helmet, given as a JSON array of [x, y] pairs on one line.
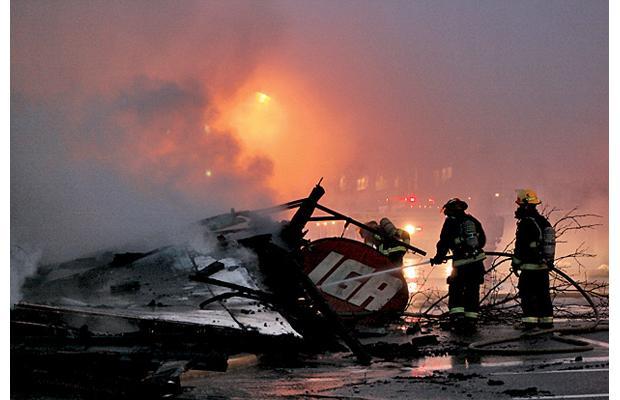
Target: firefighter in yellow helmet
[[533, 256], [462, 234], [388, 243]]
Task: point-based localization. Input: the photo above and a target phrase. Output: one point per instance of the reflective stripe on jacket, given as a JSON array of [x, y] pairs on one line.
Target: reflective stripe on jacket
[[528, 266], [391, 246], [533, 267]]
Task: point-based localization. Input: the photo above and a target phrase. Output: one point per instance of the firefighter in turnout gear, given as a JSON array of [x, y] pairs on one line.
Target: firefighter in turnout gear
[[462, 234], [387, 244], [533, 256]]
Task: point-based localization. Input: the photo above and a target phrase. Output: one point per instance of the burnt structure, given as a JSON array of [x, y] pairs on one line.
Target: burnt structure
[[132, 323]]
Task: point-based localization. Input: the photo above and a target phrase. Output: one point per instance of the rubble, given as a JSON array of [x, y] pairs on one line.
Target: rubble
[[132, 323], [159, 313], [424, 340]]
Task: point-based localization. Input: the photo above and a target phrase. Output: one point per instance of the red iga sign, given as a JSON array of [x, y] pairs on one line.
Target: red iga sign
[[331, 260]]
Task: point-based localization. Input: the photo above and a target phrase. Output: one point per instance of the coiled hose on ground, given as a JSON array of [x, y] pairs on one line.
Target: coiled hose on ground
[[576, 344]]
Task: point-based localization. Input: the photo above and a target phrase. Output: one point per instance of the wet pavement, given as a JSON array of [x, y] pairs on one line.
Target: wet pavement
[[459, 374]]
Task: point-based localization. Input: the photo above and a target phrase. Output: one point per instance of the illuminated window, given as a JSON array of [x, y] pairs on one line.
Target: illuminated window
[[442, 175], [362, 183], [380, 183]]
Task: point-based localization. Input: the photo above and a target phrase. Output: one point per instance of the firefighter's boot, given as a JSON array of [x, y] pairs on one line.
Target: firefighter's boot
[[527, 323], [470, 323], [457, 322], [545, 322]]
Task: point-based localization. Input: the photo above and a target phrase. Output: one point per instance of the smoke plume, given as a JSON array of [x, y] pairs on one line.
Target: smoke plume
[[132, 117]]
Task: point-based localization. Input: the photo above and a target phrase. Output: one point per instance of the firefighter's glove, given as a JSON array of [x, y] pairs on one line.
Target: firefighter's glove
[[515, 266], [436, 260]]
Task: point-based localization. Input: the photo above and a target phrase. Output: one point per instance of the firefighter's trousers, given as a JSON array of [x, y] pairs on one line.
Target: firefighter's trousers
[[464, 289], [397, 257], [535, 297]]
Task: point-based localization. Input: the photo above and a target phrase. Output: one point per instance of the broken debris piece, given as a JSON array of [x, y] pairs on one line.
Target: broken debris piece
[[211, 268], [424, 340], [129, 287], [414, 328]]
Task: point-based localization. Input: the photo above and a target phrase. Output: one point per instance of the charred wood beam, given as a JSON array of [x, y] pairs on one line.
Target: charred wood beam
[[293, 232], [325, 218], [339, 328], [285, 276], [364, 226], [281, 207]]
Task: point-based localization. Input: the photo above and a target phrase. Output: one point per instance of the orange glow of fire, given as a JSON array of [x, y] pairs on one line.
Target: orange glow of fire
[[262, 98], [410, 273], [287, 124], [258, 120], [410, 229]]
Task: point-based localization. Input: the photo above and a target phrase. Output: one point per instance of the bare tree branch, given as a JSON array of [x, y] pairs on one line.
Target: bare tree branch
[[500, 300]]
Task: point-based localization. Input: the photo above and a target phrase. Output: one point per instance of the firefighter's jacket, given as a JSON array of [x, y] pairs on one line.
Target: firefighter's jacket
[[529, 254], [453, 239], [387, 246]]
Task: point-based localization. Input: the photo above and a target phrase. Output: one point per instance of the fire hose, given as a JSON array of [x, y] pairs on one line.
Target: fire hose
[[577, 345], [482, 346], [360, 277]]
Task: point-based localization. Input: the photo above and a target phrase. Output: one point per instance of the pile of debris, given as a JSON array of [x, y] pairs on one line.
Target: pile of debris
[[132, 323]]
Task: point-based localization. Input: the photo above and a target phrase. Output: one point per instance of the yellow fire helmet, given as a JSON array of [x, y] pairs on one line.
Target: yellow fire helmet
[[527, 196]]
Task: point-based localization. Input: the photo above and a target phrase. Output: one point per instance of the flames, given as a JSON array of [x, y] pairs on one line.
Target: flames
[[257, 120], [199, 141], [286, 124], [163, 136], [262, 98]]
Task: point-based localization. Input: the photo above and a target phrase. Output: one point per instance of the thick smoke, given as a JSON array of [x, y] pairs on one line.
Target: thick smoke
[[110, 102], [111, 108], [24, 262], [158, 133]]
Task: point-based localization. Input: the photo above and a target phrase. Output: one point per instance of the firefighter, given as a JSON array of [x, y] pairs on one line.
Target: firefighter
[[387, 244], [462, 234], [533, 257]]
